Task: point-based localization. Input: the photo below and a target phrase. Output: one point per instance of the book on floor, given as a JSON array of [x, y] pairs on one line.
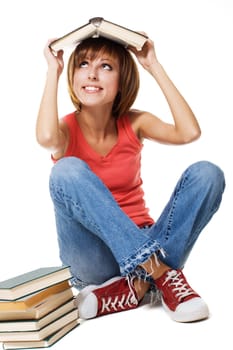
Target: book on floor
[[48, 341], [39, 309], [33, 281], [96, 27], [42, 333], [28, 301], [36, 324]]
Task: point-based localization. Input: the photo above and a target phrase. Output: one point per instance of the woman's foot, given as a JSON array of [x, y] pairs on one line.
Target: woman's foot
[[181, 302], [117, 294]]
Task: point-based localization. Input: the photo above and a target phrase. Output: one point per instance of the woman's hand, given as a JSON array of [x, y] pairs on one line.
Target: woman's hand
[[147, 55], [54, 60]]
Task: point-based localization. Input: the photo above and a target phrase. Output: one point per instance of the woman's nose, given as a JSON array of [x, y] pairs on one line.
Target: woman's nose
[[92, 76]]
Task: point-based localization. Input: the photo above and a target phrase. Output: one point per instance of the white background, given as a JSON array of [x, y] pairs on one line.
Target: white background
[[193, 40]]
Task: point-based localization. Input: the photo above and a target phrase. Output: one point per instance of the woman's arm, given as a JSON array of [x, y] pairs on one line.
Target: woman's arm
[[185, 128], [49, 132]]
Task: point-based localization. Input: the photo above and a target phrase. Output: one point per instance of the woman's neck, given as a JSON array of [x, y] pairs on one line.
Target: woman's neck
[[97, 124]]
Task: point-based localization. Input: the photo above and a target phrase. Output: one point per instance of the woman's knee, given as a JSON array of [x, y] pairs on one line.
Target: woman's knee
[[208, 174], [68, 167]]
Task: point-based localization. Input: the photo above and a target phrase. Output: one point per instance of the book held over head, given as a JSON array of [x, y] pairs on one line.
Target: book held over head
[[96, 27]]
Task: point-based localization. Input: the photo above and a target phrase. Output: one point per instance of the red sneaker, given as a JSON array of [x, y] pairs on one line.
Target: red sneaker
[[181, 302], [117, 294]]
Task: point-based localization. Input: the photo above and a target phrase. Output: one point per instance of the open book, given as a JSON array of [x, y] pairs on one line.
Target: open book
[[96, 27]]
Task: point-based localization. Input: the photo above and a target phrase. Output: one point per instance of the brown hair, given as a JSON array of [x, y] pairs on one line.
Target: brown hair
[[129, 75]]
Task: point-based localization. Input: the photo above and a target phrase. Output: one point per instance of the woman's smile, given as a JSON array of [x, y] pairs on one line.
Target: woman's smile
[[92, 89]]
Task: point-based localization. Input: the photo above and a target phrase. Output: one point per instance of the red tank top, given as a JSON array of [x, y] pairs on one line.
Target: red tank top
[[119, 169]]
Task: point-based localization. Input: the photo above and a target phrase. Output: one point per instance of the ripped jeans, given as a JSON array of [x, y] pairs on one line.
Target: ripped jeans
[[98, 240]]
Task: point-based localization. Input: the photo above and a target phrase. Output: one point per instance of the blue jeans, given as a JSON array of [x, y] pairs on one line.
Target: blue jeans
[[98, 240]]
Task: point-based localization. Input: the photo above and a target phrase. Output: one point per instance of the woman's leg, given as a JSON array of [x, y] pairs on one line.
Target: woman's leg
[[197, 196], [85, 213], [90, 260], [82, 200]]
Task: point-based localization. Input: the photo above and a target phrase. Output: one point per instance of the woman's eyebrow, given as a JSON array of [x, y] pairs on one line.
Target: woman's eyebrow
[[110, 59]]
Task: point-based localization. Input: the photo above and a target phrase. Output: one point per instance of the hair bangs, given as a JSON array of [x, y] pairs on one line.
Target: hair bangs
[[93, 48]]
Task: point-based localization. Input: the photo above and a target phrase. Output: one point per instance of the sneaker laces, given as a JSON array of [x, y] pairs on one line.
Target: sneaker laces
[[120, 302], [180, 285]]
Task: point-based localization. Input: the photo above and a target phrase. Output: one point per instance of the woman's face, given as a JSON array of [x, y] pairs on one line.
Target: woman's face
[[96, 80]]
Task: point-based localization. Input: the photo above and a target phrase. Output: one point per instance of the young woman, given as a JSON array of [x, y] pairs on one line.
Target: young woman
[[115, 249]]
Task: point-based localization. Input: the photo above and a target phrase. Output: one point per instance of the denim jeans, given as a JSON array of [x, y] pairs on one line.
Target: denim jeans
[[98, 240]]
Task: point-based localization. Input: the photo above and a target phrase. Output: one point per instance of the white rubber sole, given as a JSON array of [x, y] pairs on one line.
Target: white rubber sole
[[189, 311]]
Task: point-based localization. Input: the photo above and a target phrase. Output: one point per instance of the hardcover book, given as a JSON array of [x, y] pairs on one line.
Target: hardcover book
[[33, 325], [28, 301], [40, 309], [41, 333], [44, 343], [96, 27], [33, 281]]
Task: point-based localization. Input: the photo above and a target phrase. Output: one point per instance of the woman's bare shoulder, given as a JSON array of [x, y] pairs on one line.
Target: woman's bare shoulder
[[137, 118]]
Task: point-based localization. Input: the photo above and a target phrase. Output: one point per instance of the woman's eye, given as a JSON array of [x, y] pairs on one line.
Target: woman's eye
[[83, 64], [107, 66]]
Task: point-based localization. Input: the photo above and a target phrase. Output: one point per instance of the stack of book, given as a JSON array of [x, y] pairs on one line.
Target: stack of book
[[37, 308]]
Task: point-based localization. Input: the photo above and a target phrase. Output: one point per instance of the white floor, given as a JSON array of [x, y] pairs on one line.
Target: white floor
[[149, 327]]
